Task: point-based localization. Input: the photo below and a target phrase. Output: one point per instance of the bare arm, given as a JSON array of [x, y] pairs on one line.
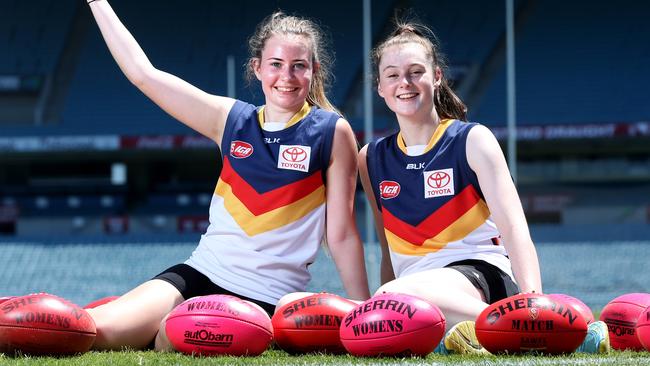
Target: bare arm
[[342, 235], [386, 268], [486, 159], [199, 110]]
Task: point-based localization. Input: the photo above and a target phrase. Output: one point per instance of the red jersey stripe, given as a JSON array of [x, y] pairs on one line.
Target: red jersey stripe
[[260, 203], [435, 223]]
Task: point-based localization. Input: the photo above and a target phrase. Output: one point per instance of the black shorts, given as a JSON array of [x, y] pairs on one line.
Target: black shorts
[[494, 283], [191, 283]]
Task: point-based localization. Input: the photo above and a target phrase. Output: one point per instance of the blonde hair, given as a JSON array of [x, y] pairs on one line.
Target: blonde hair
[[448, 104], [283, 24]]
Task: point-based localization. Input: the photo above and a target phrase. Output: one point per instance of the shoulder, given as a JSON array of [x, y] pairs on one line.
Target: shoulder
[[323, 115], [482, 147], [342, 126], [345, 140], [458, 128], [479, 134], [382, 143], [364, 151], [241, 110]]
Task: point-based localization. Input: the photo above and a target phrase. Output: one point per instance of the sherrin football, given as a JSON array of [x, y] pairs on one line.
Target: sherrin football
[[530, 322], [311, 324], [219, 325], [393, 324], [44, 324], [643, 329], [621, 315], [577, 304]]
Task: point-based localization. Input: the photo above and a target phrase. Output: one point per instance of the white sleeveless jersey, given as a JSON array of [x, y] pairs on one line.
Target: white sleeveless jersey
[[267, 215]]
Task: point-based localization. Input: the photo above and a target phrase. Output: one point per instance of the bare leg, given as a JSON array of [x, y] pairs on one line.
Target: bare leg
[[162, 342], [133, 320], [452, 292]]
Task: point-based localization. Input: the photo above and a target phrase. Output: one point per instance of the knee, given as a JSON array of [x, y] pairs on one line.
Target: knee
[[392, 286], [106, 328], [291, 297], [162, 342]]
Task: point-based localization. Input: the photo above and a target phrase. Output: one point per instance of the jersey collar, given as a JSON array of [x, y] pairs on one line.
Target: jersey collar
[[437, 134], [302, 113]]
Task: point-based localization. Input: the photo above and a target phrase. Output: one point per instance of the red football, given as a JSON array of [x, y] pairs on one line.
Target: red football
[[219, 325], [577, 304], [311, 324], [102, 301], [621, 315], [5, 298], [643, 329], [393, 324], [530, 322], [44, 324]]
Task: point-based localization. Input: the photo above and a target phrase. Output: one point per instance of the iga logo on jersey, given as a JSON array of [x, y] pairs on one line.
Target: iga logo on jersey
[[240, 149], [389, 189], [439, 183], [294, 157]]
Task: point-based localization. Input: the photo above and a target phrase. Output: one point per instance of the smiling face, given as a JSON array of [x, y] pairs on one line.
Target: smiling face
[[285, 70], [407, 80]]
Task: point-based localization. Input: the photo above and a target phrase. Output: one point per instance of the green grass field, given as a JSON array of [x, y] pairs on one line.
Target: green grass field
[[276, 357]]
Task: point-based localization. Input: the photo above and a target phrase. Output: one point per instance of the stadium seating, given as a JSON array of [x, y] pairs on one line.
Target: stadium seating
[[571, 69], [32, 37], [558, 63], [193, 42], [569, 66]]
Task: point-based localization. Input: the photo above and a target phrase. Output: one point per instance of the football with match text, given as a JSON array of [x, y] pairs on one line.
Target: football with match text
[[530, 322]]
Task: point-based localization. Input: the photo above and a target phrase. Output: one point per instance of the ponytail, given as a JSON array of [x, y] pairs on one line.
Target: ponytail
[[448, 104]]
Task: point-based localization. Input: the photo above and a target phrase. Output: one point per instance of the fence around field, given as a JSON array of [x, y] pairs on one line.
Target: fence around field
[[595, 272]]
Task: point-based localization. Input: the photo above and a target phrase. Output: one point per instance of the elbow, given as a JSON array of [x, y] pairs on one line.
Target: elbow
[[140, 74], [343, 242], [137, 79]]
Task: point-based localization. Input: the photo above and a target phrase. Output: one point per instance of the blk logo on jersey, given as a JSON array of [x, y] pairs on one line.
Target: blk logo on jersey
[[294, 157], [240, 149], [439, 183], [389, 189], [411, 166]]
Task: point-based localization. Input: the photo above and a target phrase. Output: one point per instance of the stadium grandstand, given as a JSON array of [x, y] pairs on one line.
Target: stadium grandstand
[[581, 107], [85, 157]]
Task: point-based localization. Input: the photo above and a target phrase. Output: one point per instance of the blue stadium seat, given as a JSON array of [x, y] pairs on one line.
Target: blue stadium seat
[[570, 66]]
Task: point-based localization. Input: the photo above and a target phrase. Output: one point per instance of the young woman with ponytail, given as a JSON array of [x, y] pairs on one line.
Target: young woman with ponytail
[[448, 217]]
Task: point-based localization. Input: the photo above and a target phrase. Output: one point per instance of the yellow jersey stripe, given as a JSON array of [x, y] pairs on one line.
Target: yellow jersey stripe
[[437, 134], [302, 113], [468, 222], [253, 225]]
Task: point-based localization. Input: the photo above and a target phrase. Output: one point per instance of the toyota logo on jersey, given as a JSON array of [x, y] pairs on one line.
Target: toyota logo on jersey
[[294, 154], [294, 157], [389, 189], [439, 183], [240, 149]]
